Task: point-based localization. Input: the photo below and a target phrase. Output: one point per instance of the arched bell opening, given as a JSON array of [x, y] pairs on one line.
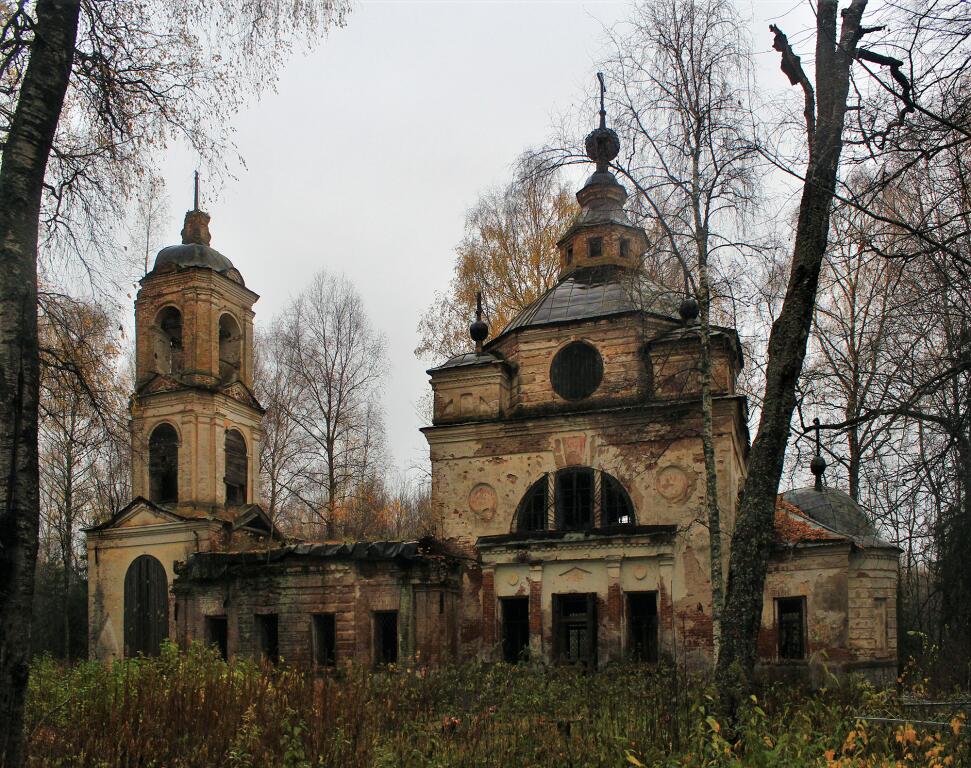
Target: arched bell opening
[[230, 348], [163, 465], [167, 335]]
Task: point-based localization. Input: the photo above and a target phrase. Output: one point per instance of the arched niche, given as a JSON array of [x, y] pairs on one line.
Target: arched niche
[[230, 348], [236, 468], [163, 465], [167, 337], [146, 607]]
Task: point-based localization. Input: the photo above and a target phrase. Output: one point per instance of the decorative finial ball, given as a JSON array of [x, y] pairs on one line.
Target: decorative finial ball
[[688, 309], [818, 465], [603, 145], [479, 331]]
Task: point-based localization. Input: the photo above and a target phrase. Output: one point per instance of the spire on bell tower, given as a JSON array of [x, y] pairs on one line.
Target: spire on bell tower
[[196, 226], [479, 330]]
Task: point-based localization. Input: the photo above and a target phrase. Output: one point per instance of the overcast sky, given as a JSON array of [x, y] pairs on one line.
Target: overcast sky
[[375, 145]]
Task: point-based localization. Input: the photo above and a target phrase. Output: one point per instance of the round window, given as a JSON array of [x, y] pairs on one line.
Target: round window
[[577, 371]]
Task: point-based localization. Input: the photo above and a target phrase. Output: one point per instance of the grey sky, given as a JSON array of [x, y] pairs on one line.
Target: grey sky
[[374, 146]]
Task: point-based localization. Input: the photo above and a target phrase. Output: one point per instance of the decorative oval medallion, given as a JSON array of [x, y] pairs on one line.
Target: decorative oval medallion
[[513, 579], [672, 483], [483, 501], [640, 572]]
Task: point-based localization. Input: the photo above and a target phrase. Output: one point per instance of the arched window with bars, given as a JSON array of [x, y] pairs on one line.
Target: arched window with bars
[[574, 499]]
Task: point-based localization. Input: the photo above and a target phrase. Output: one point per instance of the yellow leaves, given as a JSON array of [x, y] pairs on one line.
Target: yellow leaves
[[713, 724], [906, 735], [956, 724], [632, 759]]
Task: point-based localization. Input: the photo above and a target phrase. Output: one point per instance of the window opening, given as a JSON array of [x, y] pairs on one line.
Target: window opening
[[386, 637], [163, 465], [595, 247], [230, 348], [577, 371], [574, 499], [615, 506], [217, 634], [569, 255], [268, 634], [575, 628], [624, 248], [532, 509], [642, 626], [515, 629], [236, 462], [792, 627], [325, 639], [168, 341]]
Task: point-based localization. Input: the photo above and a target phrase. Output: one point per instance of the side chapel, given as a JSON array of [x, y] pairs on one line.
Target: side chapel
[[567, 475]]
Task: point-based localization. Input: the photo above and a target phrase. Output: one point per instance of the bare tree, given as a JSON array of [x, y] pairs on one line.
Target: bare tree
[[336, 364], [81, 410], [681, 99], [508, 253], [127, 76]]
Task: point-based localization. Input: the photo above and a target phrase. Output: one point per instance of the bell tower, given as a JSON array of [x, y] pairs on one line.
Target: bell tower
[[194, 419]]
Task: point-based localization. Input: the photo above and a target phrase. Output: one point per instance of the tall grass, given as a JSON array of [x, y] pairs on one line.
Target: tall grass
[[192, 709]]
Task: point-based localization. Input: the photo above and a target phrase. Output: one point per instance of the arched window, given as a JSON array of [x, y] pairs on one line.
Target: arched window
[[236, 474], [168, 341], [163, 465], [230, 348], [580, 498], [146, 607], [533, 512]]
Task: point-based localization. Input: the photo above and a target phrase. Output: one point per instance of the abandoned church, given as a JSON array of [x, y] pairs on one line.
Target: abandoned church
[[567, 479]]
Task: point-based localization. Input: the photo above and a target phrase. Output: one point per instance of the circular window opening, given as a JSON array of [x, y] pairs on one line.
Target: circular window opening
[[577, 371]]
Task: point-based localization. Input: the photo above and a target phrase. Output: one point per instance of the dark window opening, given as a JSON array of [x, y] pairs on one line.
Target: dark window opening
[[624, 248], [515, 629], [325, 640], [581, 497], [386, 637], [575, 629], [569, 255], [615, 506], [217, 634], [642, 626], [168, 341], [235, 467], [574, 499], [230, 348], [268, 636], [146, 607], [595, 247], [577, 371], [792, 627], [163, 465], [441, 603], [532, 509]]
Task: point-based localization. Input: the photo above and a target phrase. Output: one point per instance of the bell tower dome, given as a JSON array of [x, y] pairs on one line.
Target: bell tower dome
[[602, 234], [195, 421]]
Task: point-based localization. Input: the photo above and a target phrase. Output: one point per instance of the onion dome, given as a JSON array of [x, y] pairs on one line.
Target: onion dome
[[688, 309]]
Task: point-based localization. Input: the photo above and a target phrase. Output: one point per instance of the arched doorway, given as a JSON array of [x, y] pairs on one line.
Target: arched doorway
[[146, 607]]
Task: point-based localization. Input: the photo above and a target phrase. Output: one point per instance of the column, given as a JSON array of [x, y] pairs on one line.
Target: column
[[615, 610], [536, 610]]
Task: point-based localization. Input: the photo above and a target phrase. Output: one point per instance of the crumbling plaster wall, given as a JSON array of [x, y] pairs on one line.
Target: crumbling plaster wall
[[352, 591], [112, 551]]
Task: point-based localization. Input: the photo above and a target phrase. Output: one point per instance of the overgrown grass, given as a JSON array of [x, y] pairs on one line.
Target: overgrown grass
[[192, 709]]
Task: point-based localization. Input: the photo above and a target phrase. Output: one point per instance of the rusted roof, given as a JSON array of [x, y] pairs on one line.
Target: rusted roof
[[793, 527], [594, 292], [836, 511]]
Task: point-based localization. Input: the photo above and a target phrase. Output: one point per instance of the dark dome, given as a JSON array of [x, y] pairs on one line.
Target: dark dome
[[594, 292], [196, 255], [836, 510]]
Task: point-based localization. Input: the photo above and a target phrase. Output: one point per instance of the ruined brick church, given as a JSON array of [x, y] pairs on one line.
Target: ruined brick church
[[567, 476]]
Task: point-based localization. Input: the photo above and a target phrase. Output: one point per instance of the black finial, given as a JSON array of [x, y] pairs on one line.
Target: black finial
[[195, 199], [602, 144], [479, 330], [688, 309], [818, 465]]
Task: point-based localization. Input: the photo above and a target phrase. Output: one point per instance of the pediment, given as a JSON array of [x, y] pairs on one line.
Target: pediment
[[160, 383], [575, 574], [140, 512], [241, 393]]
